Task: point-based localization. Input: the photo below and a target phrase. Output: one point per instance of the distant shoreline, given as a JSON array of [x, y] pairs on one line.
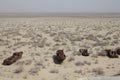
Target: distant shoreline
[[84, 15]]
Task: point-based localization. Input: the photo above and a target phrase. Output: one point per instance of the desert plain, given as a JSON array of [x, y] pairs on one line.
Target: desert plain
[[40, 37]]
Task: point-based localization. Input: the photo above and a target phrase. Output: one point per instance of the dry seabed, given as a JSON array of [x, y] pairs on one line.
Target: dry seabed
[[40, 38], [101, 78]]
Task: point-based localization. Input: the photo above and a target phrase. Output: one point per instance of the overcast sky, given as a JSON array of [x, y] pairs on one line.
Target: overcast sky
[[59, 5]]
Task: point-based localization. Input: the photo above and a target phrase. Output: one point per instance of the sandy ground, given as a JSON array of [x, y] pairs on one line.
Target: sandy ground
[[40, 38]]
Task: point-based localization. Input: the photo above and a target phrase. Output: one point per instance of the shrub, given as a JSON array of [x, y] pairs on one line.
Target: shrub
[[54, 71], [34, 71], [18, 70], [71, 59], [88, 63], [78, 71], [78, 63], [98, 71]]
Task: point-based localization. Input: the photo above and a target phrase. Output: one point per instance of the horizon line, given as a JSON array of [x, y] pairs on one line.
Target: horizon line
[[39, 14]]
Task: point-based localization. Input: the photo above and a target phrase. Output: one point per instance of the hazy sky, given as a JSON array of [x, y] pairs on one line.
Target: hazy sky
[[59, 5]]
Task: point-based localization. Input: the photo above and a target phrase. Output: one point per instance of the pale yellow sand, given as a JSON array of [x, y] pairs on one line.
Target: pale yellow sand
[[39, 38]]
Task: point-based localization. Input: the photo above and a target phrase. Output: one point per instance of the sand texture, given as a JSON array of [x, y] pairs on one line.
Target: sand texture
[[40, 38]]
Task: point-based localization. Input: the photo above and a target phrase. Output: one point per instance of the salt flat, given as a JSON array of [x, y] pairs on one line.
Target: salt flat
[[40, 37]]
